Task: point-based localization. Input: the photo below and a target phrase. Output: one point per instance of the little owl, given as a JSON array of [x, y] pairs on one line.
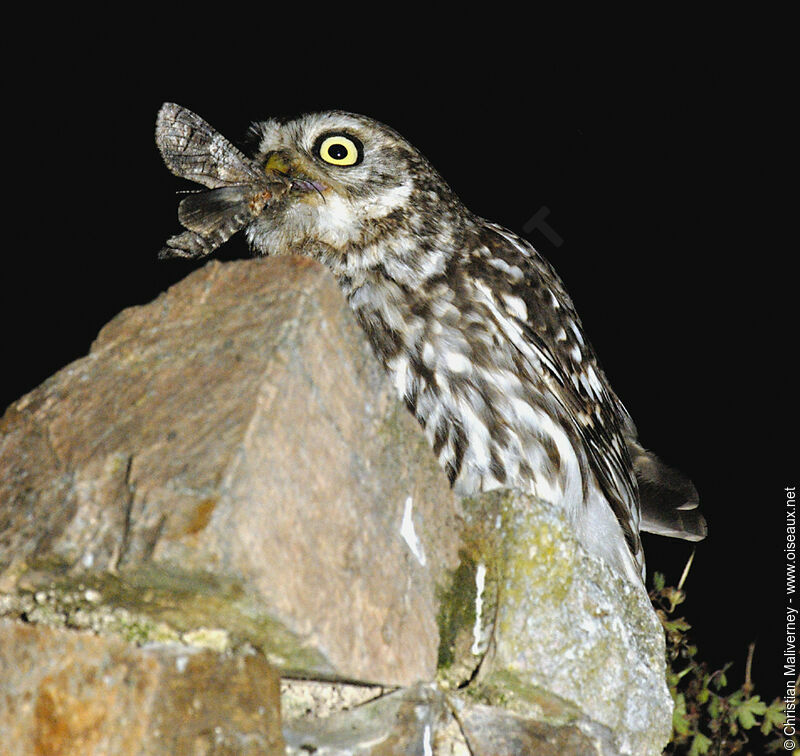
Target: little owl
[[473, 326]]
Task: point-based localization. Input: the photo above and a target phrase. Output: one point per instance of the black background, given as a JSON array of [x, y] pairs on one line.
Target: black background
[[658, 169]]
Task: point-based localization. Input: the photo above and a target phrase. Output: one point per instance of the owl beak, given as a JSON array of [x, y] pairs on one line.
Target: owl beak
[[279, 164]]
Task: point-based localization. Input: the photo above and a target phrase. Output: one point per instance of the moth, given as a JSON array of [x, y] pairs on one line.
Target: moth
[[239, 187]]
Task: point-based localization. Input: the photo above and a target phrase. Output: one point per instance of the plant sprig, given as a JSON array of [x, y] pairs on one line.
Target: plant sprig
[[708, 718]]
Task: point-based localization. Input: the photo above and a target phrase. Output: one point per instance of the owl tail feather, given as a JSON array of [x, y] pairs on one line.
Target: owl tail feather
[[668, 498]]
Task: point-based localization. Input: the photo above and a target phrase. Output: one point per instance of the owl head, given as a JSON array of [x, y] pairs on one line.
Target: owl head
[[336, 186], [351, 182]]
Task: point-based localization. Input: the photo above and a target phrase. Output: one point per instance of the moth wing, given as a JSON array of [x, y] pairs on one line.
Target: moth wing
[[194, 150], [206, 212], [211, 218]]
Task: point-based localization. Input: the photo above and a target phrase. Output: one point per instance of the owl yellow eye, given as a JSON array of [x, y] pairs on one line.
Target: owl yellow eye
[[339, 149]]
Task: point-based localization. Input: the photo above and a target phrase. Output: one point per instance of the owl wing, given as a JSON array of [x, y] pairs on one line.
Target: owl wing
[[533, 304], [643, 493]]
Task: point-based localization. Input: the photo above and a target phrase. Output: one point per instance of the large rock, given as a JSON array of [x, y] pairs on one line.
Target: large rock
[[229, 469], [556, 620], [234, 449], [543, 650], [65, 693]]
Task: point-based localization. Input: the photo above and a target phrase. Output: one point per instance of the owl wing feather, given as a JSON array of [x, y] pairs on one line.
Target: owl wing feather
[[669, 500], [643, 492], [567, 366]]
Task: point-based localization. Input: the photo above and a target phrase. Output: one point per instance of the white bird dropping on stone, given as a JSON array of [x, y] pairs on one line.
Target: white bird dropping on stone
[[410, 535], [480, 584]]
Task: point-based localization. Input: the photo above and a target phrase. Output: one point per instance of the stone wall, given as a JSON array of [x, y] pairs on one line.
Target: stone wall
[[226, 491]]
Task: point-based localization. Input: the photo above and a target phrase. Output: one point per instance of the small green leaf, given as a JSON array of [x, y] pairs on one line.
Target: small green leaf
[[720, 680], [679, 625], [774, 716], [675, 597], [700, 745], [748, 710], [714, 707], [680, 722], [672, 679]]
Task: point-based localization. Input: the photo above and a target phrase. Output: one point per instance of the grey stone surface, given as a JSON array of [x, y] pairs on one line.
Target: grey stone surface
[[424, 719], [558, 620]]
